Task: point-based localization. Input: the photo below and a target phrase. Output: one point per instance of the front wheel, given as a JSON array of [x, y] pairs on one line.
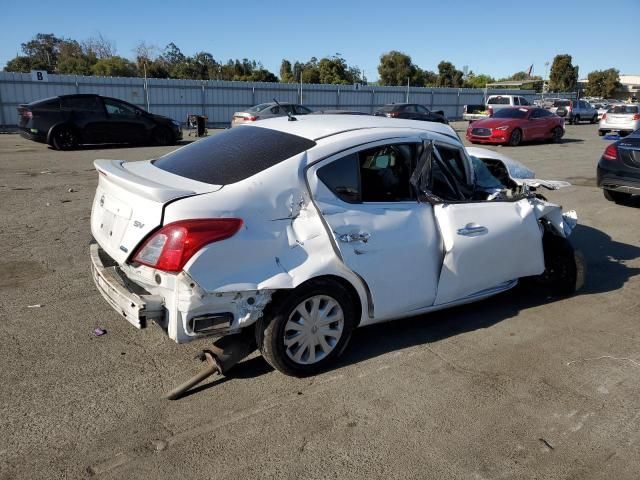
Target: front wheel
[[594, 119], [163, 136], [556, 135], [576, 120], [515, 138], [564, 266], [305, 331]]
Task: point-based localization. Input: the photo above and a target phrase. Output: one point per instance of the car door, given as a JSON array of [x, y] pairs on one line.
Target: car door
[[378, 228], [487, 244], [424, 114], [126, 123], [536, 124], [87, 114]]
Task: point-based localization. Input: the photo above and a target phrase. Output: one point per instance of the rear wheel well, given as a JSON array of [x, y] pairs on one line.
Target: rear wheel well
[[344, 283], [56, 127]]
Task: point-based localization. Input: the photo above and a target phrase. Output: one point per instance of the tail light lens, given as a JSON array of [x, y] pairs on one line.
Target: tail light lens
[[490, 109], [611, 152], [636, 116], [250, 119], [604, 116], [26, 114], [393, 114], [171, 247]]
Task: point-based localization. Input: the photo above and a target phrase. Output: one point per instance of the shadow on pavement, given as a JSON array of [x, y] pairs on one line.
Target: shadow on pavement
[[606, 271]]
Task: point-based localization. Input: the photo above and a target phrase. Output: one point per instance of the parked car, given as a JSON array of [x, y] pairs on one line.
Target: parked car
[[473, 112], [623, 118], [298, 232], [511, 126], [66, 121], [411, 111], [619, 169], [575, 111], [338, 112], [601, 108], [268, 110]]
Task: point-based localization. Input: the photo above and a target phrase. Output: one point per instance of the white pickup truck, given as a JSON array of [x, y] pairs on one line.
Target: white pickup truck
[[472, 113]]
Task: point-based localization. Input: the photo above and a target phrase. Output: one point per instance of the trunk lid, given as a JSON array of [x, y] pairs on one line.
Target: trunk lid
[[129, 203]]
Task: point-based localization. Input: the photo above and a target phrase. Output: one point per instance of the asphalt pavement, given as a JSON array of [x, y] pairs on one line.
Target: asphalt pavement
[[521, 385]]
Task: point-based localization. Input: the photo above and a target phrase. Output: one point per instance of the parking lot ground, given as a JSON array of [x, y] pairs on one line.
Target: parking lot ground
[[521, 385]]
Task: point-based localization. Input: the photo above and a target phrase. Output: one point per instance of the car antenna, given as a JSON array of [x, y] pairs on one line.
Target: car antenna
[[291, 117]]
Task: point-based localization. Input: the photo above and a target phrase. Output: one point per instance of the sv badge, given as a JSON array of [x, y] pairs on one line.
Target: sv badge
[[138, 224]]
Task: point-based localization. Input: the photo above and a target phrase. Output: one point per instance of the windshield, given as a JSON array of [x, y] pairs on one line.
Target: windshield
[[388, 108], [511, 113], [257, 108]]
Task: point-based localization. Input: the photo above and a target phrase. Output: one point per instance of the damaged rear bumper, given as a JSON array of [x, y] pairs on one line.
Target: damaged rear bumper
[[129, 300]]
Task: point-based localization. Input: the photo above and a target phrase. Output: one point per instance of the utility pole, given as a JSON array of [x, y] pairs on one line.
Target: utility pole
[[407, 90]]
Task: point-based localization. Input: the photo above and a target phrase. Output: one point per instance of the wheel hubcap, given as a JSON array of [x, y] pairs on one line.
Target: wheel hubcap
[[313, 330]]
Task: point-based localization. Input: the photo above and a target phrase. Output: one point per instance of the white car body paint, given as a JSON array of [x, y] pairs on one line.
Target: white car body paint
[[401, 258]]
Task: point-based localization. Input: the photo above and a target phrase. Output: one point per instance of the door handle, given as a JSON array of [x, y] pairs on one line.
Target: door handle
[[354, 237], [472, 230]]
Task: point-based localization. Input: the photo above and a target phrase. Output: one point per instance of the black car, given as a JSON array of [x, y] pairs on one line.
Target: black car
[[411, 111], [67, 121], [619, 169]]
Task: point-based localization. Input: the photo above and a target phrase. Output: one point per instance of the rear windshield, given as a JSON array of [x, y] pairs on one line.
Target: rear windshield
[[258, 108], [562, 103], [624, 109], [233, 155], [499, 101], [511, 113]]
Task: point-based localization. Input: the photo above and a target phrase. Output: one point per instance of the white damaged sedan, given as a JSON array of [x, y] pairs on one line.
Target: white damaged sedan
[[300, 231]]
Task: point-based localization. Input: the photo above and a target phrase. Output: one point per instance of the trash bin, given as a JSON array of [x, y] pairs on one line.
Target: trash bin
[[201, 121]]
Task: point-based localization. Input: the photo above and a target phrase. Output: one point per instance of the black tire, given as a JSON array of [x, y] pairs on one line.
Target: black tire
[[556, 135], [64, 137], [163, 137], [515, 138], [601, 133], [576, 119], [594, 119], [561, 269], [614, 196], [272, 330]]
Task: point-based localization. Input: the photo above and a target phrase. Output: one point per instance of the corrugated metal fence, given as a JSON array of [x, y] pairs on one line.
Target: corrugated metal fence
[[219, 99]]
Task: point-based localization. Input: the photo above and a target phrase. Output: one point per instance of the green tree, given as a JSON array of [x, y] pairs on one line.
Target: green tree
[[286, 72], [563, 76], [448, 75], [603, 83], [42, 51], [19, 64], [114, 67], [396, 67], [73, 59], [477, 81]]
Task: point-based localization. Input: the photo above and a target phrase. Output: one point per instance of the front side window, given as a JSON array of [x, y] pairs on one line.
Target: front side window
[[119, 109], [379, 174], [422, 109], [523, 101], [300, 110], [498, 101]]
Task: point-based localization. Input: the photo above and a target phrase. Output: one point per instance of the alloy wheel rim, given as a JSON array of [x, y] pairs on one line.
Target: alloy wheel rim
[[313, 329], [66, 138]]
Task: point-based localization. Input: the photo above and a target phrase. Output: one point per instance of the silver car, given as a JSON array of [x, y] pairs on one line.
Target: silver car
[[623, 118], [575, 111], [267, 110]]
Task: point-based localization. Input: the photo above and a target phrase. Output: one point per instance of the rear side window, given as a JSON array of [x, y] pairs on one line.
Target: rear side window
[[233, 155], [623, 109], [81, 104], [47, 106], [343, 178]]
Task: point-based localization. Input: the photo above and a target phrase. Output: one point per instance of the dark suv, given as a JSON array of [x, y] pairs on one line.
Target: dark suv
[[411, 111], [67, 121]]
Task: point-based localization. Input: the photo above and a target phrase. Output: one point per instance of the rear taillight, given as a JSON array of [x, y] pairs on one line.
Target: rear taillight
[[636, 116], [393, 114], [250, 119], [171, 247], [570, 107], [604, 116], [26, 114], [490, 109], [611, 152]]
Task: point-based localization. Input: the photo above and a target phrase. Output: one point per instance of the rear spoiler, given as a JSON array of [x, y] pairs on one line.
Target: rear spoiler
[[114, 172]]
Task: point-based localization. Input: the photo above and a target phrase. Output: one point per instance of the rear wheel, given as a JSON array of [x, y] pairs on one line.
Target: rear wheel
[[303, 332], [556, 135], [515, 138], [64, 138], [614, 196], [576, 120], [601, 133], [163, 136], [594, 119]]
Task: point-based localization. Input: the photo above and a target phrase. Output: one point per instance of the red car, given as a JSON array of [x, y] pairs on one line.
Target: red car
[[511, 126]]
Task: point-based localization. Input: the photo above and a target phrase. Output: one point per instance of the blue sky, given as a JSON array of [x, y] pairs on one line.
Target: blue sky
[[488, 39]]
